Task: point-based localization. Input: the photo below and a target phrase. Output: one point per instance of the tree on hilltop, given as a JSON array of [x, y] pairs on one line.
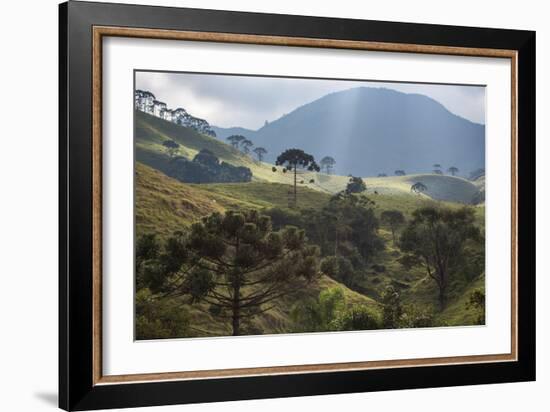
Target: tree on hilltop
[[260, 152], [246, 145], [294, 159], [235, 140], [356, 185], [327, 163], [453, 170]]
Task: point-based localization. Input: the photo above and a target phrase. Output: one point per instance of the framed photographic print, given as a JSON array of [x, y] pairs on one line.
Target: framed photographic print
[[257, 206]]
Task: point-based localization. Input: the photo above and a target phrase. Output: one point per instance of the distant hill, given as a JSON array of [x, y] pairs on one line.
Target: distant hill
[[375, 130], [223, 133]]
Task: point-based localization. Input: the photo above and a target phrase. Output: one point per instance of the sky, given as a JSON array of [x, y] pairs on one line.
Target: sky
[[248, 101]]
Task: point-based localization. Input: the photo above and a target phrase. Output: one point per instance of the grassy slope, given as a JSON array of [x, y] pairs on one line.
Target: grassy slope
[[151, 132], [165, 204]]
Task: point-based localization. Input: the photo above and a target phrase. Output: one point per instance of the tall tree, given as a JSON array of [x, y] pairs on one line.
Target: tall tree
[[235, 140], [328, 163], [453, 170], [295, 159], [437, 166], [260, 152], [400, 172], [171, 147], [235, 263], [436, 239], [394, 219], [246, 145]]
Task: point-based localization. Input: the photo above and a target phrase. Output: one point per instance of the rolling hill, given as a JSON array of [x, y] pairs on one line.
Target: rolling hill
[[151, 132]]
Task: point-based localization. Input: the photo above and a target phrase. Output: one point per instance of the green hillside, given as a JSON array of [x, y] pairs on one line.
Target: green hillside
[[165, 205], [152, 131]]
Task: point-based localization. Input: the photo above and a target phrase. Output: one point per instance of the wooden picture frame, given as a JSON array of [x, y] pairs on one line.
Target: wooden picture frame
[[82, 385]]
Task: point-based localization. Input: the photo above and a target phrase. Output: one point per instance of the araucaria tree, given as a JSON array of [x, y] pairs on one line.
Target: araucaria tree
[[453, 170], [236, 264], [171, 147], [294, 159], [260, 152], [394, 219], [436, 239], [235, 140], [246, 145], [327, 163]]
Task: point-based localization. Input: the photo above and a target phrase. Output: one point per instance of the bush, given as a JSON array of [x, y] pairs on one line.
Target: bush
[[378, 268], [204, 168], [358, 317], [329, 312], [159, 319], [339, 268]]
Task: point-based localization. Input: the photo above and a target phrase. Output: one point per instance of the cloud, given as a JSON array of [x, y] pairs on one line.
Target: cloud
[[248, 101]]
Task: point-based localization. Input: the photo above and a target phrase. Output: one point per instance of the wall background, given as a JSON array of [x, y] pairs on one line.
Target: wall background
[[28, 203]]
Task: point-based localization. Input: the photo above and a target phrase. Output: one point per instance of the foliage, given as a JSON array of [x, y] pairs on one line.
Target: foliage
[[345, 229], [260, 152], [327, 163], [339, 268], [437, 239], [356, 185], [235, 140], [206, 168], [246, 145], [392, 310], [453, 170], [330, 312], [400, 172], [206, 158], [418, 188], [414, 316], [476, 301], [394, 219], [294, 159], [234, 262], [171, 147], [159, 319]]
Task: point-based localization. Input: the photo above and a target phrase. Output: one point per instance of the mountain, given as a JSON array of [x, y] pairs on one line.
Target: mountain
[[376, 130], [223, 133]]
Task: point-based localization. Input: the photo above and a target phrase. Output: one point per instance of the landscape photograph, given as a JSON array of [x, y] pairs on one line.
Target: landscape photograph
[[277, 205]]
